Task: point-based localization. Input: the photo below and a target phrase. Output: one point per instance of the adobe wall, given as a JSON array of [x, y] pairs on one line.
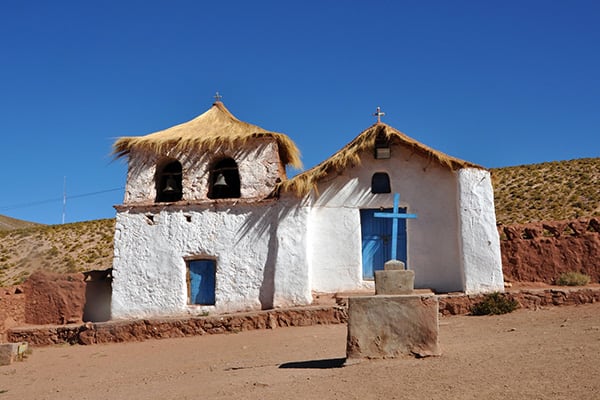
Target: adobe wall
[[480, 249], [247, 242], [53, 298], [541, 251]]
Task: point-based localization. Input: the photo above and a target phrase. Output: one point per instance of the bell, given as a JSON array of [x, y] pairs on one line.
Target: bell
[[220, 181], [171, 186]]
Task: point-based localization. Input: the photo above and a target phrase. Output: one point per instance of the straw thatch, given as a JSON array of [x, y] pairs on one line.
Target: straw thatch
[[349, 156], [216, 127]]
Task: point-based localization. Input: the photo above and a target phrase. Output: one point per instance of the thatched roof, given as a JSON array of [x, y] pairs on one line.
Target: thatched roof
[[349, 156], [215, 127]]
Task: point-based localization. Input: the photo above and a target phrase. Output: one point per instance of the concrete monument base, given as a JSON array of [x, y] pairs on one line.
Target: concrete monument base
[[394, 282], [394, 279], [389, 326]]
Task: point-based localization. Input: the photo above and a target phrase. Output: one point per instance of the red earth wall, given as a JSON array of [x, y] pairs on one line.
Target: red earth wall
[[541, 251], [54, 298]]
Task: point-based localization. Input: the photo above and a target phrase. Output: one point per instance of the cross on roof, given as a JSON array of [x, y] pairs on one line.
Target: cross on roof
[[395, 215], [218, 97], [378, 114]]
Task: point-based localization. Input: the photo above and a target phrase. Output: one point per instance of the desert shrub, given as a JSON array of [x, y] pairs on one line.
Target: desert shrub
[[494, 304], [572, 279], [20, 278]]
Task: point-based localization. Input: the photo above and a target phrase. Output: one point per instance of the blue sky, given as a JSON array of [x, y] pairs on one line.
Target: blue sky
[[496, 83]]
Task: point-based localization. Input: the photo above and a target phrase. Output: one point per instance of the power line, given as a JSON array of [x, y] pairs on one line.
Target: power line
[[57, 199]]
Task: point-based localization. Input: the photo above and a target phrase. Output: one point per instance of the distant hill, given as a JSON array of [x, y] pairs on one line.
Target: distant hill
[[8, 223], [548, 191], [538, 192], [81, 246]]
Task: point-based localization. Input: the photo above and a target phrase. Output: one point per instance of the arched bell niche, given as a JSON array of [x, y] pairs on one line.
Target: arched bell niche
[[224, 180], [168, 182]]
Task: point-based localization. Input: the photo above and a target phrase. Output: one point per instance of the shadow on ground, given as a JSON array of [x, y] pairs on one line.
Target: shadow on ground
[[315, 364]]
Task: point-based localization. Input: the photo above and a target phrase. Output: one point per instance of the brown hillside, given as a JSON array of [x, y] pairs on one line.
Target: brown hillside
[[8, 223], [550, 191], [77, 247]]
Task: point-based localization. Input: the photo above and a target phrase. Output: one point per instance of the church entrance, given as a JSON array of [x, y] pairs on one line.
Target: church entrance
[[201, 281], [377, 240]]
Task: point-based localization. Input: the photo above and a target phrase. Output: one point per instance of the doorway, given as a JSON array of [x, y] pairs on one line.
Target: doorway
[[201, 281], [376, 236]]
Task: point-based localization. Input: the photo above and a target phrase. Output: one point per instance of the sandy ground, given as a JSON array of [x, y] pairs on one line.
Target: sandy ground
[[545, 354]]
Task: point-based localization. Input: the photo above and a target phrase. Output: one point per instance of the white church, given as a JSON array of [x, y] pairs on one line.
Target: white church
[[211, 223]]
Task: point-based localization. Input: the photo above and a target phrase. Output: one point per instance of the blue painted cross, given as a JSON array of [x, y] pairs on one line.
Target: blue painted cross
[[395, 215]]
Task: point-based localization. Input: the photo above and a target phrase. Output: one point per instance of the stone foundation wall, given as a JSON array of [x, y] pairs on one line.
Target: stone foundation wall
[[541, 251], [530, 299], [138, 330], [143, 329]]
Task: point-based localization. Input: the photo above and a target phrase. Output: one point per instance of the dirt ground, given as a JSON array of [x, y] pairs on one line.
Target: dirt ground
[[551, 353]]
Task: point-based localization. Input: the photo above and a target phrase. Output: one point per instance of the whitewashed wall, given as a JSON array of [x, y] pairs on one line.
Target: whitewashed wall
[[482, 260], [433, 245], [292, 275], [248, 242], [334, 250], [258, 164]]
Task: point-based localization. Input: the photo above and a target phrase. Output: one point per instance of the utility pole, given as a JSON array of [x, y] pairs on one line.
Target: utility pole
[[64, 199]]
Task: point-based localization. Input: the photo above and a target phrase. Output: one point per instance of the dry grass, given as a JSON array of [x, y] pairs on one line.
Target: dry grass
[[77, 247], [548, 191], [216, 127]]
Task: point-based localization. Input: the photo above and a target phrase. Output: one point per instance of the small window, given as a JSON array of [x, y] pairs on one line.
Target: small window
[[380, 183], [168, 183], [382, 147], [224, 180], [201, 277]]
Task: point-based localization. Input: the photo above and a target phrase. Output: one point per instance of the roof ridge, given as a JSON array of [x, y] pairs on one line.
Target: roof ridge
[[215, 127], [349, 156]]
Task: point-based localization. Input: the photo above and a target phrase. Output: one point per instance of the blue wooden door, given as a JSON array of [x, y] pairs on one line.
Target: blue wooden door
[[202, 282], [377, 240]]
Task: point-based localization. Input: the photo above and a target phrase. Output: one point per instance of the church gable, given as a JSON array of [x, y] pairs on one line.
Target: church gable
[[380, 142], [343, 205]]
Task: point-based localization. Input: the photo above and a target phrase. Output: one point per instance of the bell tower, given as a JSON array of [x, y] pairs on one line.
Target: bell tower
[[213, 157]]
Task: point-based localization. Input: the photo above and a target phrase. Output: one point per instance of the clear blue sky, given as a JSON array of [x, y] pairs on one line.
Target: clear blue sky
[[496, 83]]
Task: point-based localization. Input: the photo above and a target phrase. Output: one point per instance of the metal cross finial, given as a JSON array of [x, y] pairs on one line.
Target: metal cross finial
[[217, 97], [378, 114]]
